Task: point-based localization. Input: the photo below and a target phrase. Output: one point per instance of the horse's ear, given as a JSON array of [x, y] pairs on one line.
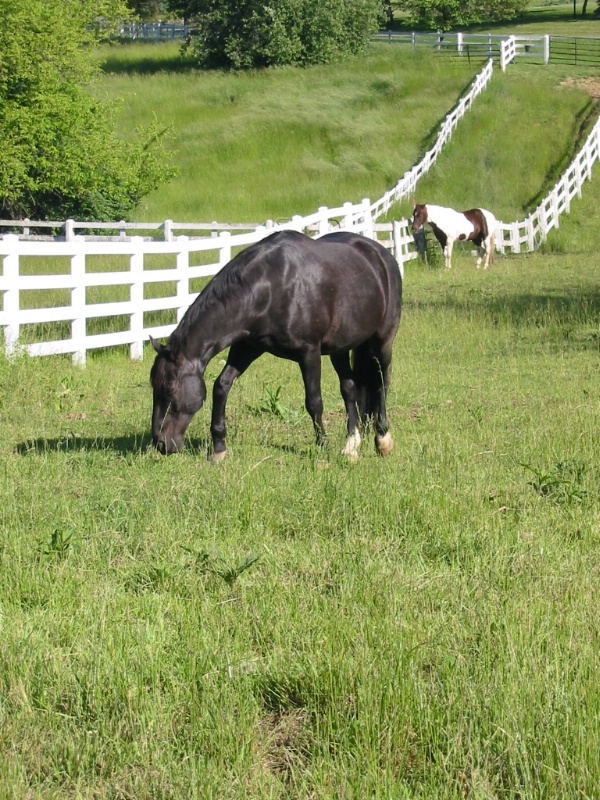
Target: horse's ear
[[157, 345], [414, 202]]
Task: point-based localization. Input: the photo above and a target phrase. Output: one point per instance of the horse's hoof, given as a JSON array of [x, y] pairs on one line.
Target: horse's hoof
[[384, 444], [351, 448], [216, 458]]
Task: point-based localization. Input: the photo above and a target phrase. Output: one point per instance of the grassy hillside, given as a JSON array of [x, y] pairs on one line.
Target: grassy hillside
[[283, 142]]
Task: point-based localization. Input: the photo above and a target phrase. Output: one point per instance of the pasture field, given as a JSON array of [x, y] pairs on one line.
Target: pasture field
[[288, 624]]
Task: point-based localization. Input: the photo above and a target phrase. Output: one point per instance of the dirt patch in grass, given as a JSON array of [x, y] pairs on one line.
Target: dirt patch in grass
[[591, 85]]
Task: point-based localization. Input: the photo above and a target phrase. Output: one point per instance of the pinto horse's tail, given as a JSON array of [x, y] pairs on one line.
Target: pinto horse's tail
[[369, 382]]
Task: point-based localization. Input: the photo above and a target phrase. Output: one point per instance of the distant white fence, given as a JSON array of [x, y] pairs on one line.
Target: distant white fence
[[527, 235]]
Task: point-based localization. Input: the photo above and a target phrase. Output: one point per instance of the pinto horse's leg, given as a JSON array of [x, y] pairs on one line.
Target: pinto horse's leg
[[448, 252], [310, 366], [240, 358], [341, 364]]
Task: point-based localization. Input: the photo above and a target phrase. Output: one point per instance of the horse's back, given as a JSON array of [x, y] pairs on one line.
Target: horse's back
[[339, 290]]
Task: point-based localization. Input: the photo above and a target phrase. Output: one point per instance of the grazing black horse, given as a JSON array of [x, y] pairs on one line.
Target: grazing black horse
[[297, 298]]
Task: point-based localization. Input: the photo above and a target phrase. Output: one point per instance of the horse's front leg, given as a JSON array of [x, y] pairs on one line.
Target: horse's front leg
[[310, 366], [240, 358], [480, 256], [341, 364]]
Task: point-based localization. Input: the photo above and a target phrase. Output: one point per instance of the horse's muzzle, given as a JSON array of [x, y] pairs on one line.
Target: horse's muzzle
[[167, 447]]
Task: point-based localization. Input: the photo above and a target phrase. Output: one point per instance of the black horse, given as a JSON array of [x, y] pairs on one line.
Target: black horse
[[297, 298]]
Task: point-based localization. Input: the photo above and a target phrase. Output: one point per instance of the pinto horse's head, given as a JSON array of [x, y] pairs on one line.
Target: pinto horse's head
[[419, 217], [179, 391]]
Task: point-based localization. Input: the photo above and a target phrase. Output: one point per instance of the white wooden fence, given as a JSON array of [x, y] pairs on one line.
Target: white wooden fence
[[528, 234], [78, 278]]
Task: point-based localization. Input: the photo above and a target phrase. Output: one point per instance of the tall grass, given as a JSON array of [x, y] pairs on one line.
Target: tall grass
[[337, 133]]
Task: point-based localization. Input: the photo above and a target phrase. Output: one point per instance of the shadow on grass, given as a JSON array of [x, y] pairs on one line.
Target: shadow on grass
[[150, 63], [138, 444]]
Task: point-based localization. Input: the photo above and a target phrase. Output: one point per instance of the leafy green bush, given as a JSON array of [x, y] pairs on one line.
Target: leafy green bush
[[60, 155], [237, 35]]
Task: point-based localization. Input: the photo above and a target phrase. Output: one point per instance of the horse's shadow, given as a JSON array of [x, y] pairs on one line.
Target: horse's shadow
[[134, 444]]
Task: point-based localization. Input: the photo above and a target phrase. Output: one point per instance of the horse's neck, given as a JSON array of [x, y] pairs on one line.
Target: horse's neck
[[208, 330]]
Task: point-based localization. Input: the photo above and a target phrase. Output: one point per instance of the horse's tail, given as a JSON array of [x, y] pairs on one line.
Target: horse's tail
[[492, 224], [492, 247], [368, 379]]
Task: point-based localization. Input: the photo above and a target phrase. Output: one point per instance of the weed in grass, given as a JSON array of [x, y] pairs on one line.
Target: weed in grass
[[59, 544], [214, 564], [562, 482], [271, 405]]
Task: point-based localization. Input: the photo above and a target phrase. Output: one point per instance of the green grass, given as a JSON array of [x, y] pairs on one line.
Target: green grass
[[339, 133], [288, 625]]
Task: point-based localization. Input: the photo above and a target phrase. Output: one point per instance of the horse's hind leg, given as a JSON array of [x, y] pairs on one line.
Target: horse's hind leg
[[372, 372], [310, 366], [341, 364]]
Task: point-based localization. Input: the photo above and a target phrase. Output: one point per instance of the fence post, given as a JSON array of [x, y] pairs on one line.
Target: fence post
[[69, 230], [136, 296], [369, 231], [547, 49], [323, 220], [530, 234], [347, 223], [168, 230], [225, 248], [78, 298], [554, 202], [397, 239], [11, 294], [298, 223], [182, 283]]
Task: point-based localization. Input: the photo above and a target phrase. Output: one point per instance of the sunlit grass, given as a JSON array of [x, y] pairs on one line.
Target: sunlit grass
[[288, 623]]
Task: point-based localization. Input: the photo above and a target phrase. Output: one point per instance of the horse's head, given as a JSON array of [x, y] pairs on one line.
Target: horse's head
[[419, 217], [179, 391]]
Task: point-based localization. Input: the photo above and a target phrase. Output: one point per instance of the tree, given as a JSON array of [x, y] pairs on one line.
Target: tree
[[241, 34], [447, 14], [60, 155], [149, 10]]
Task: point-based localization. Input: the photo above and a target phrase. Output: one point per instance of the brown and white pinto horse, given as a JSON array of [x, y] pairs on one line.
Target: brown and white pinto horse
[[475, 225]]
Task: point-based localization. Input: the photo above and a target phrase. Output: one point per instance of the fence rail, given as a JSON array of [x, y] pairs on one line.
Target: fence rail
[[542, 49]]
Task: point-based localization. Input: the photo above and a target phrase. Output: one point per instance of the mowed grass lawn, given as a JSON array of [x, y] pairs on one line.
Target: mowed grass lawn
[[290, 625]]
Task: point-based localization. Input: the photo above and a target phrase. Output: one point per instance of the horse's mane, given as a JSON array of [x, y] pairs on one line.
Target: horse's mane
[[227, 285], [223, 287]]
